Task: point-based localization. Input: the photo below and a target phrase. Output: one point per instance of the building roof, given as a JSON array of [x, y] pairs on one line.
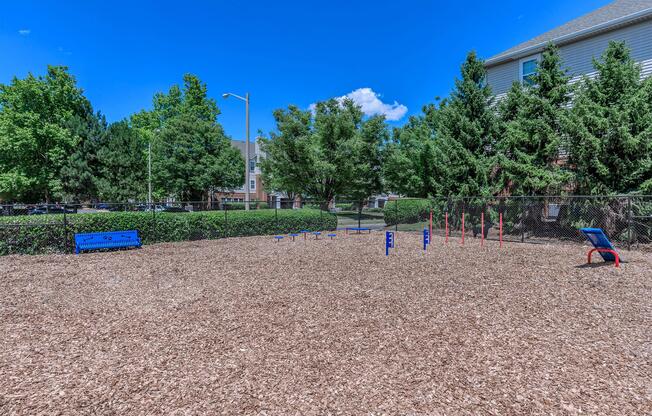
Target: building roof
[[241, 146], [614, 15]]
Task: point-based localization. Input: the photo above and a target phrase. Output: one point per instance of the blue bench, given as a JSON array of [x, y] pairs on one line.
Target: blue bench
[[358, 229], [107, 240], [601, 244]]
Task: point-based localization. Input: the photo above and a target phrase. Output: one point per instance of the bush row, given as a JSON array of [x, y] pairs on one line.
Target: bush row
[[48, 234], [407, 211]]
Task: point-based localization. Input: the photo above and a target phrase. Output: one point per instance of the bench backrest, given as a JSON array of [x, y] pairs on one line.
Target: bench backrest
[[109, 239], [599, 239]]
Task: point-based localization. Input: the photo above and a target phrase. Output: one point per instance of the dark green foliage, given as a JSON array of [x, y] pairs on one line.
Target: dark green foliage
[[122, 165], [46, 234], [610, 131], [467, 133], [527, 160]]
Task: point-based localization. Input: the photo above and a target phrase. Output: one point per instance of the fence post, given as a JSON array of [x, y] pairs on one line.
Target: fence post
[[359, 213], [396, 225], [226, 221], [276, 218], [65, 230], [629, 223], [522, 219]]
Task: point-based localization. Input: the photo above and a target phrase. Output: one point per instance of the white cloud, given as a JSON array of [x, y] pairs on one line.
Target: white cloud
[[371, 104], [24, 32]]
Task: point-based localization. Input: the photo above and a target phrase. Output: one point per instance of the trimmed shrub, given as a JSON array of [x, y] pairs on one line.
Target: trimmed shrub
[[240, 206], [47, 234], [407, 211]]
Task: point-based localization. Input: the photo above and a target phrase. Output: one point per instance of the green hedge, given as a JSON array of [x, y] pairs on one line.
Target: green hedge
[[407, 211], [240, 206], [46, 233]]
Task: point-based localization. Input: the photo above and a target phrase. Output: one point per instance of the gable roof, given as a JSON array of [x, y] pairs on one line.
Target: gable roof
[[616, 14]]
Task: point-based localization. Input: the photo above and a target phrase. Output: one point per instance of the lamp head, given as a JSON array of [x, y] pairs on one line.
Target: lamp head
[[225, 95]]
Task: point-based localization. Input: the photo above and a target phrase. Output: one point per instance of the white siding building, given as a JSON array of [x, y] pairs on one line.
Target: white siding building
[[579, 41]]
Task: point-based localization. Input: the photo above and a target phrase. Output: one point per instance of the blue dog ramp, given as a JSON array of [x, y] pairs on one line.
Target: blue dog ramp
[[599, 239]]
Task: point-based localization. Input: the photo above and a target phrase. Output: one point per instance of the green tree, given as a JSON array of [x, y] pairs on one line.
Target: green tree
[[609, 131], [192, 156], [122, 165], [467, 132], [189, 148], [35, 134], [333, 153], [412, 162], [534, 116], [80, 173]]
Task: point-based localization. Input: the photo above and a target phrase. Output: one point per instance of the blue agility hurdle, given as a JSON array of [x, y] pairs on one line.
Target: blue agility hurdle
[[601, 244], [426, 239], [106, 240]]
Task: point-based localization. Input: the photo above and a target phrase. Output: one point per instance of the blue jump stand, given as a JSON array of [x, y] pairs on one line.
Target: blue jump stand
[[304, 232], [278, 238], [332, 235], [293, 235], [426, 238], [389, 241], [316, 234]]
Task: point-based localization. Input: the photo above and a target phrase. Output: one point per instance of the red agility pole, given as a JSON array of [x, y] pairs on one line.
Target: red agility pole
[[482, 229], [430, 222], [446, 226], [501, 230], [462, 227]]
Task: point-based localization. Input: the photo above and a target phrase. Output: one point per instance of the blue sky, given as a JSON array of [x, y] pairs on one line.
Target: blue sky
[[282, 52]]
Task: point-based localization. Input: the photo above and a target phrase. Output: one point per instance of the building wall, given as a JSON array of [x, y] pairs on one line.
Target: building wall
[[578, 57]]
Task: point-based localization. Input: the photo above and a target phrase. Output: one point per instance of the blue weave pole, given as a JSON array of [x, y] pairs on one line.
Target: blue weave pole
[[389, 241], [426, 238]]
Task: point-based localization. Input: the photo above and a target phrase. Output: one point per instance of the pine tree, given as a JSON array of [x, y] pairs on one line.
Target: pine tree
[[467, 132], [609, 130], [533, 117]]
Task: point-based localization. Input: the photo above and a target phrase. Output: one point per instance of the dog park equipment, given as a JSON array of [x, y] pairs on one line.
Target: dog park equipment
[[107, 240], [278, 238], [389, 241], [316, 234], [293, 235], [332, 235], [601, 244], [358, 229], [426, 239], [304, 232]]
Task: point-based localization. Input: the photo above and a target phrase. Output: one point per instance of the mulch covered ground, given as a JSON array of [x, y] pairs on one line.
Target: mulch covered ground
[[248, 326]]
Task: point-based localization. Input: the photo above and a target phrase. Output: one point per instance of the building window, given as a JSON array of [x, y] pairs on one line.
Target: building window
[[528, 69], [252, 165], [252, 184]]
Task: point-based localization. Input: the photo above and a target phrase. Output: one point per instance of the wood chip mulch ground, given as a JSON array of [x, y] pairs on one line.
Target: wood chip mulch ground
[[249, 326]]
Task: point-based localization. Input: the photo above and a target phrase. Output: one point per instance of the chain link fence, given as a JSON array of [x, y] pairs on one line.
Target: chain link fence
[[627, 220]]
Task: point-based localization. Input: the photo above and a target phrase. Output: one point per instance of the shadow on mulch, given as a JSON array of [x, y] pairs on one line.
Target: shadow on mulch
[[598, 265]]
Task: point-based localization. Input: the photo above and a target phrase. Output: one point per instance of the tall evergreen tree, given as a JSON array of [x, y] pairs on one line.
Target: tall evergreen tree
[[533, 116], [122, 165], [609, 130], [467, 132]]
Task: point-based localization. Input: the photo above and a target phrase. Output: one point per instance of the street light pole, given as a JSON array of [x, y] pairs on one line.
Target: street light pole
[[149, 173], [247, 156]]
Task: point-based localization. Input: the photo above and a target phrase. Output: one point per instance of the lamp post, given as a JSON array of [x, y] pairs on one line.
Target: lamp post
[[247, 156]]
